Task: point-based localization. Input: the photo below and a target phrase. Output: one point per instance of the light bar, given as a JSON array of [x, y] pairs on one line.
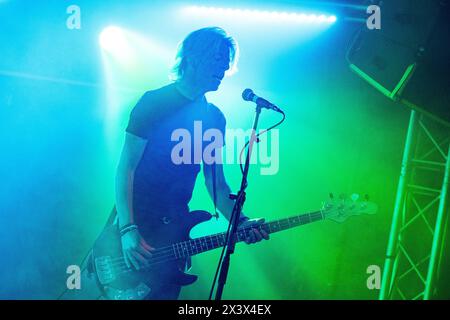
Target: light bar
[[263, 15]]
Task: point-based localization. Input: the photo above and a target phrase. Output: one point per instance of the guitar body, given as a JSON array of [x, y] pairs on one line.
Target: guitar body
[[121, 283]]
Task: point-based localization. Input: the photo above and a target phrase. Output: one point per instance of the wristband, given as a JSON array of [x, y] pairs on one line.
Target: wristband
[[127, 228]]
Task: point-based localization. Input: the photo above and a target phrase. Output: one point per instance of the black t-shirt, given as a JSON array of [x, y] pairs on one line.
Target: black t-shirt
[[165, 118]]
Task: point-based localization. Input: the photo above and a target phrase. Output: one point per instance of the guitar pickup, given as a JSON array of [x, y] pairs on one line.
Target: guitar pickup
[[104, 270]]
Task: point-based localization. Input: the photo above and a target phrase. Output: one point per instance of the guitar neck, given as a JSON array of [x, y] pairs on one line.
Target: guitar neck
[[211, 242]]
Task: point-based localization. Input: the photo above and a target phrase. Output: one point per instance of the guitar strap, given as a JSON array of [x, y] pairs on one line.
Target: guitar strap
[[216, 215]]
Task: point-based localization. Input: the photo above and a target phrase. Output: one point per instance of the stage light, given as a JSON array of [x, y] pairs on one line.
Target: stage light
[[112, 38], [332, 19], [273, 16]]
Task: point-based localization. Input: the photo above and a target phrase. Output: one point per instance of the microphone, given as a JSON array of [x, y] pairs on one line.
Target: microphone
[[248, 95]]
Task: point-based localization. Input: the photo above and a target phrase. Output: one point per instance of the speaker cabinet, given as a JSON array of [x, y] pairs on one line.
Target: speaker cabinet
[[408, 59]]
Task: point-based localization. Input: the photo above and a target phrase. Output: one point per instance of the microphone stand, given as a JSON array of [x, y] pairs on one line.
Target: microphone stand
[[237, 209]]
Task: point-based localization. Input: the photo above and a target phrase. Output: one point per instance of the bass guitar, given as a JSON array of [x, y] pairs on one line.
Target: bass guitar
[[174, 245]]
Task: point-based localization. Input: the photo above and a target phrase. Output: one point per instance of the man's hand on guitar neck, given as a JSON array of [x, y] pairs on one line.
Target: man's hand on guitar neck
[[256, 234], [135, 250]]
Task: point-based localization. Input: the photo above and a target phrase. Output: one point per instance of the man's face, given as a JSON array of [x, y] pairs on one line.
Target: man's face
[[211, 68]]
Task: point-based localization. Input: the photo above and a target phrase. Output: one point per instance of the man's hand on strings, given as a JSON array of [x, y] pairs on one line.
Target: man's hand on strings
[[257, 231], [135, 250]]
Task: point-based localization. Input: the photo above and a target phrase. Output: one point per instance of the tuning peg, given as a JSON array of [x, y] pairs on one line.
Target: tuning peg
[[366, 197], [331, 196], [355, 197]]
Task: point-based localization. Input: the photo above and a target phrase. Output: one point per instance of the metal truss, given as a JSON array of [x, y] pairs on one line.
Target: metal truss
[[415, 248]]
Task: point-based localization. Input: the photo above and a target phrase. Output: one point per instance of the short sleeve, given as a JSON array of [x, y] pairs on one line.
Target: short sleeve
[[142, 117]]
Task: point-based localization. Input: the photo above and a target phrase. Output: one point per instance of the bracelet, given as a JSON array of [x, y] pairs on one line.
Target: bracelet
[[127, 228]]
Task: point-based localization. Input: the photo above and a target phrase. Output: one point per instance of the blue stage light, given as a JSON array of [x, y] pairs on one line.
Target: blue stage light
[[274, 16], [112, 38]]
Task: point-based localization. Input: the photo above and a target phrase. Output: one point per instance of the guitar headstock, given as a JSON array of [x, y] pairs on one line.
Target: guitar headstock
[[341, 208]]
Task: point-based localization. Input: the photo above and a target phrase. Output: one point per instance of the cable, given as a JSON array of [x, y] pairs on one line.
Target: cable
[[227, 235], [257, 136]]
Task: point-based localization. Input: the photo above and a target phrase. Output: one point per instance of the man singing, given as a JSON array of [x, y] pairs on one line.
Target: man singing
[[153, 189]]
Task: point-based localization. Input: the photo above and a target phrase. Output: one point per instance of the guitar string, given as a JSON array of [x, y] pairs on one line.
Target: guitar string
[[125, 269], [171, 251], [185, 247], [168, 255], [121, 267], [120, 263]]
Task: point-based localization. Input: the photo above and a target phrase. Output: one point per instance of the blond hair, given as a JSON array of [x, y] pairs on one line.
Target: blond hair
[[197, 43]]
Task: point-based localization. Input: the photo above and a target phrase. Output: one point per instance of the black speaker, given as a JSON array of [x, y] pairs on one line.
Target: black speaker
[[408, 59]]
